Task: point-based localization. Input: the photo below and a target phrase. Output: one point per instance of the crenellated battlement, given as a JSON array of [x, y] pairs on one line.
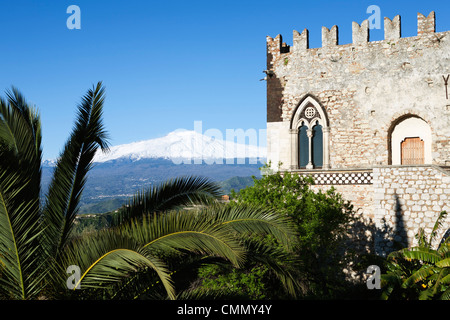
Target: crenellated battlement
[[330, 36], [392, 28], [360, 35], [426, 24]]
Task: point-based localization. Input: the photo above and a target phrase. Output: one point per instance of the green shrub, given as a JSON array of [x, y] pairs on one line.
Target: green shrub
[[322, 220]]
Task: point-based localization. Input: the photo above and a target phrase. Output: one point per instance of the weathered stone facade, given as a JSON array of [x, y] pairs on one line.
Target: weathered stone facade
[[369, 100], [407, 198]]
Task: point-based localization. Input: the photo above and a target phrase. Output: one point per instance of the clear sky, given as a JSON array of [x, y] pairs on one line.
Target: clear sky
[[166, 64]]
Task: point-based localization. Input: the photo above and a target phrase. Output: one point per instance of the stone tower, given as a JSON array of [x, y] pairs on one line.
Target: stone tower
[[371, 118]]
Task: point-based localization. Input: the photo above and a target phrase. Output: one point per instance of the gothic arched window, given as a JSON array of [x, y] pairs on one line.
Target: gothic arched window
[[309, 136], [317, 146], [303, 146]]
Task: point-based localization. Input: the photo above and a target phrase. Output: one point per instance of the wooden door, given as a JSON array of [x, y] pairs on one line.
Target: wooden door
[[412, 151]]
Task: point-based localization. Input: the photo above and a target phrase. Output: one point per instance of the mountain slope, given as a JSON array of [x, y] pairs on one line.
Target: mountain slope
[[132, 167], [183, 146]]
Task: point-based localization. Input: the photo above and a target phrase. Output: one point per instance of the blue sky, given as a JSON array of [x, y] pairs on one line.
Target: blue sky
[[166, 64]]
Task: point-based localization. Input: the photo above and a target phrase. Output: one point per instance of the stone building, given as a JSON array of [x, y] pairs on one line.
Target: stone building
[[371, 118]]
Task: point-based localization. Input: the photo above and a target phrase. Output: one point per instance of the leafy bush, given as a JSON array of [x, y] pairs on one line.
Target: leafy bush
[[248, 283], [322, 220], [420, 272]]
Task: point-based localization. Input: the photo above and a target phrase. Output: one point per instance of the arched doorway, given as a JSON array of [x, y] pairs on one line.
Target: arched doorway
[[410, 141]]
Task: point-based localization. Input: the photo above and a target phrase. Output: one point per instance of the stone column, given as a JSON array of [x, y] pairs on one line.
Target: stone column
[[294, 148], [326, 147], [309, 133]]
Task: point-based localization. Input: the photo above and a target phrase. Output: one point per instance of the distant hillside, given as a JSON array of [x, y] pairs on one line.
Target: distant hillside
[[122, 178], [109, 205], [102, 206], [236, 183]]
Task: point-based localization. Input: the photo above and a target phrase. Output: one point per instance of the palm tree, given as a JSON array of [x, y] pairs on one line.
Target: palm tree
[[32, 235], [20, 169], [126, 260], [121, 257], [420, 272]]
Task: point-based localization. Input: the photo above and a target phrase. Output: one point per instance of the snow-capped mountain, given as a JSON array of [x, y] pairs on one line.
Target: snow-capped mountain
[[182, 145], [128, 168]]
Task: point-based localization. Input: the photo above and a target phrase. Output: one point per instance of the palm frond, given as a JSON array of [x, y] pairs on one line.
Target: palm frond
[[176, 231], [389, 283], [20, 126], [19, 229], [108, 258], [71, 170], [213, 231], [444, 250], [145, 284], [422, 238], [20, 133], [419, 275], [446, 279], [282, 263], [438, 224], [245, 219], [426, 294], [445, 295], [172, 194], [444, 263], [442, 279], [421, 253], [200, 293], [20, 170]]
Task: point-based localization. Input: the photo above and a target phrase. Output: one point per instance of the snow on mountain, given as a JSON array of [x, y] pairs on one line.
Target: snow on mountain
[[49, 163], [182, 144]]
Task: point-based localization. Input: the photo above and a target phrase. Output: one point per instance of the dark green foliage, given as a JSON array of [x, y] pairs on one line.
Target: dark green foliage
[[126, 258], [70, 174], [270, 272], [172, 194], [235, 184], [102, 206], [239, 283], [322, 221], [20, 158], [92, 222], [322, 218], [32, 238], [420, 272]]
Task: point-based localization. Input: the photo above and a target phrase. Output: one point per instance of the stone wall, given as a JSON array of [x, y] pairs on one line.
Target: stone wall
[[407, 198], [364, 87], [391, 202]]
